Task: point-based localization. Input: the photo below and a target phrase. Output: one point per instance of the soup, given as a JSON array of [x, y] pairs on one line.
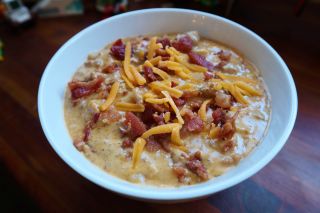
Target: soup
[[166, 110]]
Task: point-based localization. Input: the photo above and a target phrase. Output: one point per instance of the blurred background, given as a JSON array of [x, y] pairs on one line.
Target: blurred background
[[33, 178]]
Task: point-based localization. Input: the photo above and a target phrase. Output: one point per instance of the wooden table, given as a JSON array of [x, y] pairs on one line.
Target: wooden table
[[290, 183]]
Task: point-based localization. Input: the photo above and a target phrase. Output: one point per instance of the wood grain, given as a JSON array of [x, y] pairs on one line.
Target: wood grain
[[288, 184]]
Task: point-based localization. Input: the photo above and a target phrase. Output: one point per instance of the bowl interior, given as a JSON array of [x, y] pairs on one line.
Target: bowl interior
[[158, 21]]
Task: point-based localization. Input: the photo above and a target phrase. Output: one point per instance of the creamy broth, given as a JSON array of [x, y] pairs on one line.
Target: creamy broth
[[236, 117]]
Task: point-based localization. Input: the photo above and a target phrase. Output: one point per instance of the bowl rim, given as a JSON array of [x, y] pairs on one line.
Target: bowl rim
[[170, 194]]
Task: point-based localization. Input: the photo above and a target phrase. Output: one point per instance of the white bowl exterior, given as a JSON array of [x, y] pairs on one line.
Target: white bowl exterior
[[158, 21]]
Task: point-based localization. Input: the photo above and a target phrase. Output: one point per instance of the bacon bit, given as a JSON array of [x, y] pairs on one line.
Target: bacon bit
[[195, 58], [229, 128], [81, 89], [89, 126], [196, 156], [180, 172], [173, 84], [110, 116], [148, 74], [193, 122], [165, 145], [117, 50], [179, 101], [164, 41], [208, 75], [219, 116], [159, 119], [197, 167], [207, 93], [227, 146], [147, 115], [221, 64], [184, 44], [159, 107], [227, 131], [190, 94], [152, 145], [111, 68], [224, 55], [136, 126], [127, 143], [195, 104]]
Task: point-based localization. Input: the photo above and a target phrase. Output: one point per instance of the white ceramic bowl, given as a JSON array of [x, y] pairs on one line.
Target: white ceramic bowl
[[157, 21]]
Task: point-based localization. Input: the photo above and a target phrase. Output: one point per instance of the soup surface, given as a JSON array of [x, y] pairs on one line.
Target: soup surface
[[166, 110]]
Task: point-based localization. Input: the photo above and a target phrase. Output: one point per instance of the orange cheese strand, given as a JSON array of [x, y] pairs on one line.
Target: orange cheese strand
[[111, 97]]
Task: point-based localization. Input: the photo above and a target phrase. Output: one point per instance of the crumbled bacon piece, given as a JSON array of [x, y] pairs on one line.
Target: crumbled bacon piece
[[196, 156], [159, 107], [111, 68], [195, 58], [173, 84], [193, 122], [152, 145], [81, 89], [87, 129], [224, 55], [164, 41], [208, 93], [180, 172], [127, 143], [219, 116], [148, 74], [227, 146], [117, 50], [208, 76], [136, 126], [190, 94], [159, 119], [184, 44], [197, 167], [227, 131], [179, 101], [195, 104]]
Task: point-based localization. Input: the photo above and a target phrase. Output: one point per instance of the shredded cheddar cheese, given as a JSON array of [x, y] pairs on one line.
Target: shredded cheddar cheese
[[155, 61], [165, 128], [156, 100], [203, 110], [167, 117], [126, 62], [126, 80], [112, 95], [152, 48], [235, 78], [248, 88], [187, 86], [130, 107], [137, 76], [174, 107], [161, 73], [214, 131], [137, 151], [182, 148], [158, 86], [175, 136]]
